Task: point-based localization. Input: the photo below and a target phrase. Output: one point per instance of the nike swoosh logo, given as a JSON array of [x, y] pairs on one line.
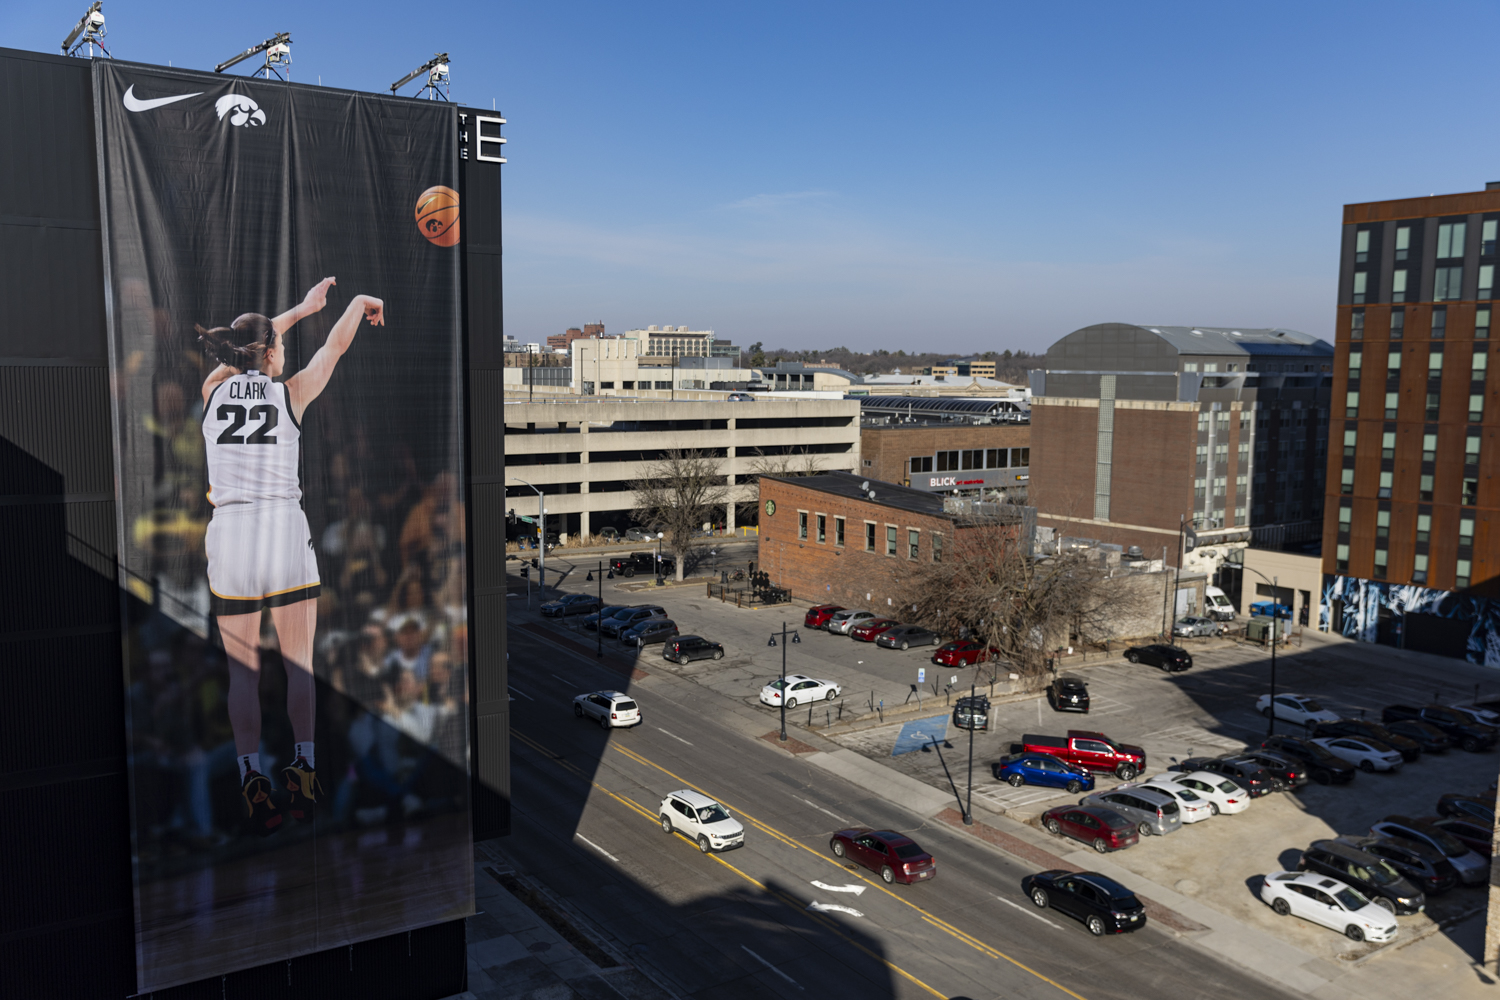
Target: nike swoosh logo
[[133, 103]]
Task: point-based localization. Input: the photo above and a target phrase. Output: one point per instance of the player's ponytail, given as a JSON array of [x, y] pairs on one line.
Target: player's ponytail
[[242, 344]]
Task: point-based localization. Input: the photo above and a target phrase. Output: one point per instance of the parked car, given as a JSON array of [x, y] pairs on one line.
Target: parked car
[[652, 630], [603, 614], [1322, 766], [1364, 729], [972, 712], [1329, 902], [702, 820], [641, 562], [1467, 806], [1104, 905], [1068, 694], [1172, 659], [631, 617], [1250, 776], [817, 616], [840, 622], [906, 636], [1476, 836], [1422, 864], [1427, 736], [1298, 708], [1367, 754], [1154, 813], [1462, 729], [1192, 626], [1094, 751], [1482, 716], [1102, 829], [609, 534], [639, 535], [1371, 875], [869, 631], [686, 648], [1471, 868], [570, 604], [1042, 769], [1290, 771], [800, 689], [612, 709], [739, 397], [1192, 806], [895, 856], [1224, 795], [963, 653]]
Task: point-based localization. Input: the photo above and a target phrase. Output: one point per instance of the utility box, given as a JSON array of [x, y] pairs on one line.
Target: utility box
[[1261, 628]]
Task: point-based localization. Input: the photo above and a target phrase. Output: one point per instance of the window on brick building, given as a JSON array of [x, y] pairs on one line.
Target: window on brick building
[[997, 458], [913, 542], [1020, 457], [802, 524], [838, 531], [869, 536], [1419, 568], [890, 539], [921, 463], [937, 548], [947, 461], [973, 458], [822, 528], [1383, 491]]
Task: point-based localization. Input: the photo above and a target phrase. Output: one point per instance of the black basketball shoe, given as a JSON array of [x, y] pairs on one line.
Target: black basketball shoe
[[261, 815], [301, 782]]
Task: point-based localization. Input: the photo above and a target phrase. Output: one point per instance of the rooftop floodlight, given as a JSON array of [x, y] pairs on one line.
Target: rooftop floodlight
[[436, 69], [278, 64], [89, 31]]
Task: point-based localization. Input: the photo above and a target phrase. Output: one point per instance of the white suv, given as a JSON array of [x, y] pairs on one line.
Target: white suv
[[700, 818], [612, 708]]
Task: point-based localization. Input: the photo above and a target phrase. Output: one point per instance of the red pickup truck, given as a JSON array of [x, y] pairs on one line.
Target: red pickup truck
[[1094, 751]]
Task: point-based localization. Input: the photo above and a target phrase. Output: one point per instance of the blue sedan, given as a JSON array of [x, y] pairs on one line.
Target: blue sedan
[[1042, 769]]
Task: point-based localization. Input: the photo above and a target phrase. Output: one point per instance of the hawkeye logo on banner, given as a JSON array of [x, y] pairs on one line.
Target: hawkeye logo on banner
[[239, 109]]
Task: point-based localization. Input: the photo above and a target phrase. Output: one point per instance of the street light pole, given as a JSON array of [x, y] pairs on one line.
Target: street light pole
[[541, 535], [1275, 583], [599, 632], [969, 808], [795, 638]]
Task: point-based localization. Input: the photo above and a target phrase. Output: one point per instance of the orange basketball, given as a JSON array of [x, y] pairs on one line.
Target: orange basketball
[[437, 215]]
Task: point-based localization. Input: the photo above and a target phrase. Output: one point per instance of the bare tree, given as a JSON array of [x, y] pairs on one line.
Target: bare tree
[[801, 462], [676, 495]]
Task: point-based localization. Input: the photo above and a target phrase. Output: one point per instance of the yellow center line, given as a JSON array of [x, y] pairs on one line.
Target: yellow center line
[[936, 921]]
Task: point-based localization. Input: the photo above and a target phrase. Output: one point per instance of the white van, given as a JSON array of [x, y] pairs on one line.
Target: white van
[[1217, 605]]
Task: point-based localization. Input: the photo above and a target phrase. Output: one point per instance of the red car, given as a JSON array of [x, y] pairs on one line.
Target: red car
[[963, 653], [895, 856], [867, 631], [818, 615], [1102, 829]]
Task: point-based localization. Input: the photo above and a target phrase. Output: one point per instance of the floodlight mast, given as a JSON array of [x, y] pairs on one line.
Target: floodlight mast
[[436, 69], [88, 31], [278, 50]]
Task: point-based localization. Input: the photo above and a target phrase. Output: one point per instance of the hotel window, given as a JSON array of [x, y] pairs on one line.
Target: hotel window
[[1419, 568], [1211, 366], [1190, 366], [1471, 449], [822, 528], [1346, 481], [1392, 401], [1487, 237], [1393, 364], [1382, 524], [1351, 404], [1343, 558], [1200, 489], [1466, 531], [1362, 246], [1351, 438], [1435, 362], [1403, 242], [1239, 515], [1218, 517], [838, 531], [1480, 365], [1384, 491], [1361, 278], [1461, 573], [1476, 409], [890, 539], [1398, 285], [869, 536], [1439, 322], [1202, 423], [921, 463], [1486, 281], [1450, 241], [1221, 454], [1241, 486], [937, 548], [1356, 362], [802, 524], [1447, 285], [1220, 485], [912, 540], [1382, 558], [1398, 320], [1434, 404], [1357, 325], [1388, 444], [1202, 456], [1346, 515], [1469, 494], [1424, 490], [1244, 453], [1429, 447], [1482, 323]]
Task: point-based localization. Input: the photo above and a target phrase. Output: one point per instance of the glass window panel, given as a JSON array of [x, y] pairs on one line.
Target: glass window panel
[[1398, 316], [1486, 280], [1392, 401], [1398, 285], [1388, 444], [1481, 362], [1361, 279], [1487, 232], [1362, 241], [1356, 362], [1403, 241]]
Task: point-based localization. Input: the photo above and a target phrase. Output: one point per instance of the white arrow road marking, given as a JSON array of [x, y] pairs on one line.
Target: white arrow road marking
[[1009, 902], [523, 694], [823, 907], [773, 968], [819, 808], [679, 739], [856, 889], [597, 848]]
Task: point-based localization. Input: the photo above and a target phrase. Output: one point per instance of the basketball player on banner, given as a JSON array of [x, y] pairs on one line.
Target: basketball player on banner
[[260, 551]]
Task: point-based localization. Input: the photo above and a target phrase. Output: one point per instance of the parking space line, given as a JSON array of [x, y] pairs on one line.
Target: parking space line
[[597, 848], [819, 808], [679, 739], [523, 694], [773, 968], [1032, 913]]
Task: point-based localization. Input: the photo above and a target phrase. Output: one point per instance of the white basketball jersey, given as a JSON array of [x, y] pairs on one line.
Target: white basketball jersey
[[253, 441]]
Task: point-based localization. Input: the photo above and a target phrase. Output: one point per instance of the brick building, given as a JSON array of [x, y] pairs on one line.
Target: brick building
[[1410, 553], [972, 447], [564, 341], [828, 539]]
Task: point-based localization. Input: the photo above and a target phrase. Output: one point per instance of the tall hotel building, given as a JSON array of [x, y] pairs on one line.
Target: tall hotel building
[[1410, 554]]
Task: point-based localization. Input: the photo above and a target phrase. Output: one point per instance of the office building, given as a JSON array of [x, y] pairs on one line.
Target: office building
[[1408, 550], [563, 341], [966, 447]]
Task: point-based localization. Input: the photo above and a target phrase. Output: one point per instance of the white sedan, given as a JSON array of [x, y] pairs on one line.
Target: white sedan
[[1329, 902], [800, 689], [1222, 794], [612, 708], [1191, 805], [1296, 708], [1367, 754]]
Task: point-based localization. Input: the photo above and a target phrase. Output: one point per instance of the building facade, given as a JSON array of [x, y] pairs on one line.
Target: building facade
[[1409, 553], [563, 341], [968, 447], [1140, 430]]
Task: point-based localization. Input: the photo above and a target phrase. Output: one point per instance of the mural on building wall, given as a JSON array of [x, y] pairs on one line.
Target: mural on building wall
[[1363, 600]]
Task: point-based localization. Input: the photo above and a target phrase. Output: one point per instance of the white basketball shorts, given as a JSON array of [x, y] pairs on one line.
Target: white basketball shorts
[[260, 555]]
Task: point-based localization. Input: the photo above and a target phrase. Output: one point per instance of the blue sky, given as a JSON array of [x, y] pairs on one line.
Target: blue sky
[[959, 176]]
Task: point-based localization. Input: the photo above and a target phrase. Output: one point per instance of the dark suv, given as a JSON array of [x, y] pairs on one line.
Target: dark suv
[[1423, 865], [1371, 875], [1322, 766], [640, 562], [691, 647], [1170, 658], [972, 712], [1409, 749], [1068, 694], [1248, 775], [631, 617], [1284, 767], [1102, 904]]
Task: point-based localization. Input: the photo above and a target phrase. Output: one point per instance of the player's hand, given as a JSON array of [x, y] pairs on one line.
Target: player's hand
[[375, 310], [317, 296]]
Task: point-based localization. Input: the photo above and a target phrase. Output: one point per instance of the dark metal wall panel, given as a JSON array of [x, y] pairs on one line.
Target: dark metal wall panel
[[61, 679], [56, 419], [487, 404]]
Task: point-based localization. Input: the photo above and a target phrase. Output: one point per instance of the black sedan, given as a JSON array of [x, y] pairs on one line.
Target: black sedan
[[1068, 694], [1429, 737], [685, 648], [608, 611], [1467, 807], [1322, 766], [1104, 905], [905, 637], [1172, 659], [1364, 729], [571, 604]]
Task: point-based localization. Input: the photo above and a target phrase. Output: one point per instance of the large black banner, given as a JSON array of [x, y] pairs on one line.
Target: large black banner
[[285, 335]]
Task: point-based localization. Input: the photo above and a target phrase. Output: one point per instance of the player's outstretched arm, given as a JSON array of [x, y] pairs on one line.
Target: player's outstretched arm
[[308, 384], [216, 376], [314, 301]]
